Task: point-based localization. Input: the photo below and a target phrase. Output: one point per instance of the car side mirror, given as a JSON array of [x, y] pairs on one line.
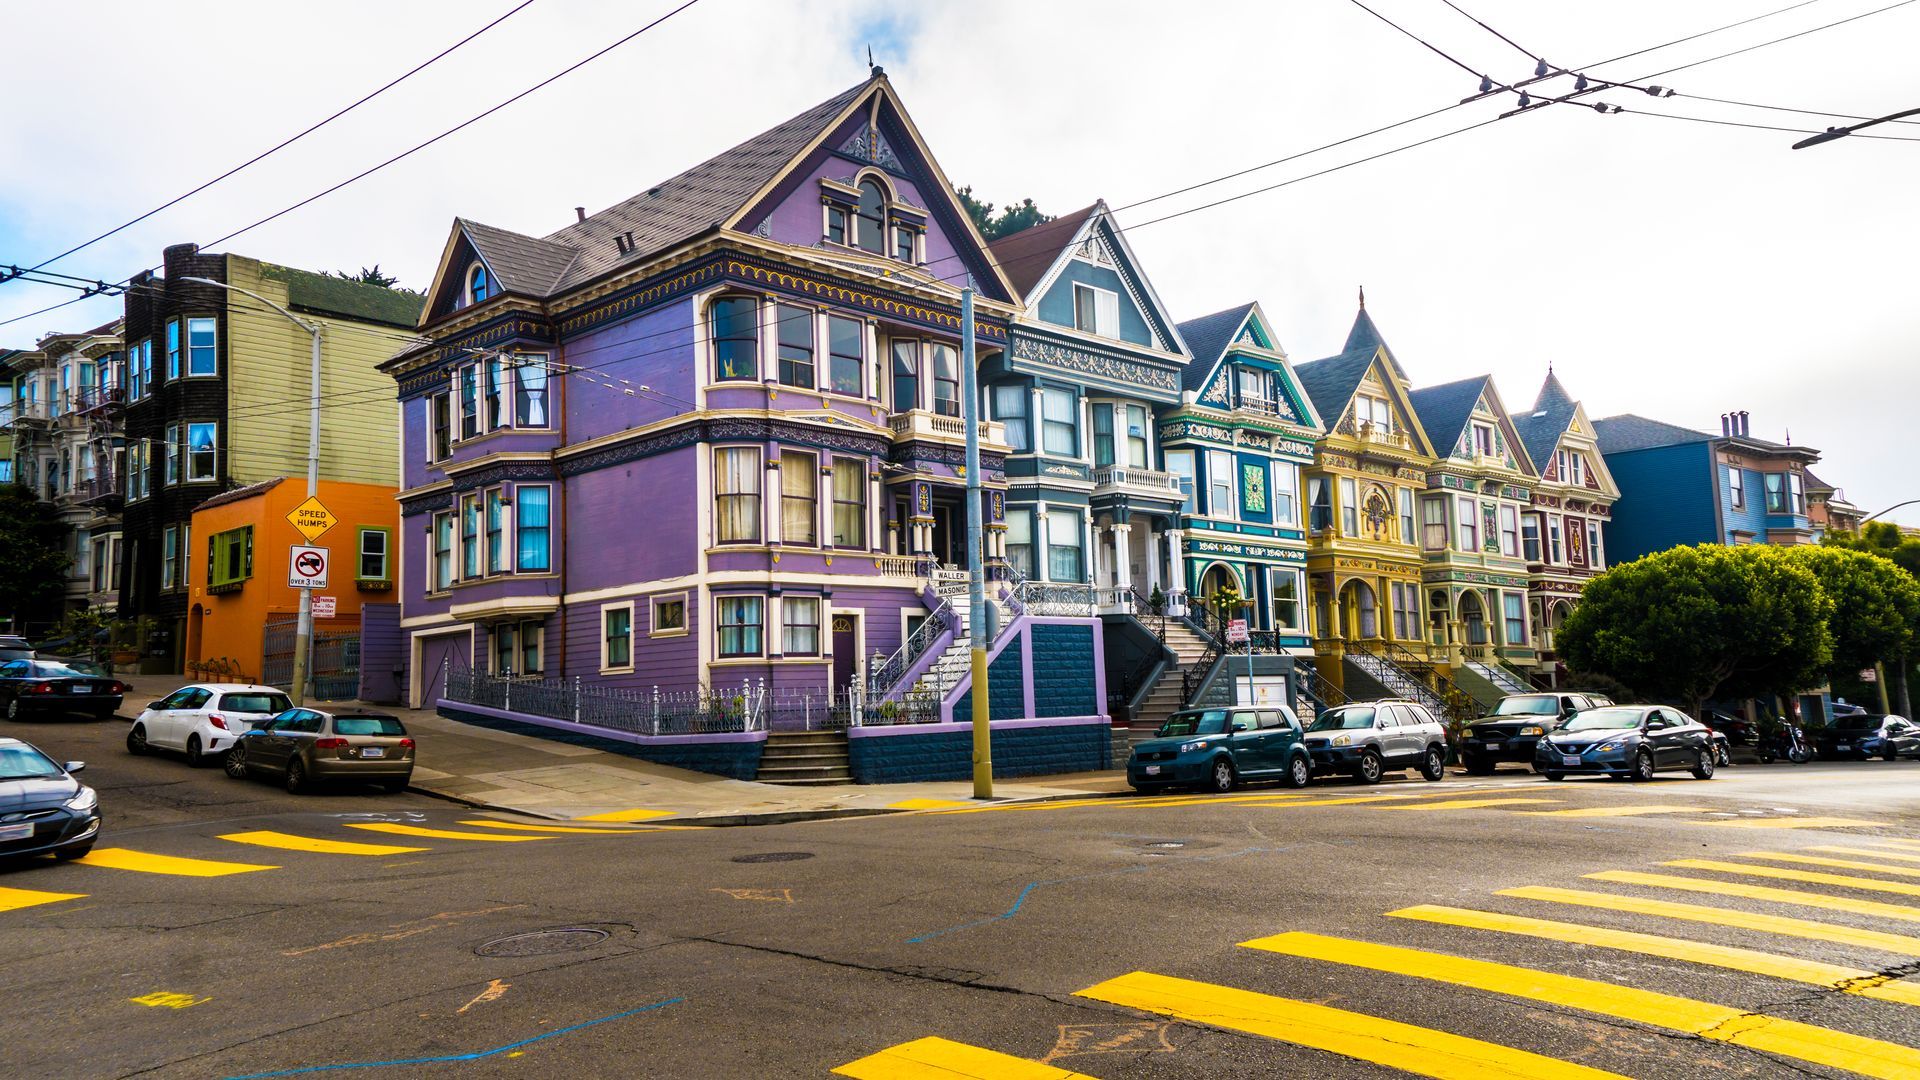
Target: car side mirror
[[74, 766], [1242, 727], [153, 704]]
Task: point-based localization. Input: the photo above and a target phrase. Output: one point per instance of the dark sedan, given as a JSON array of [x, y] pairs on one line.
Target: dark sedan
[[43, 809], [1515, 727], [1627, 742], [1867, 735], [28, 687]]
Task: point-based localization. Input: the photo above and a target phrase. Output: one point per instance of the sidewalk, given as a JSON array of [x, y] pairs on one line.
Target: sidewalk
[[550, 779]]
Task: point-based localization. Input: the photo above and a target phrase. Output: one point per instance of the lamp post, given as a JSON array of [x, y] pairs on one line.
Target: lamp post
[[303, 631], [1895, 506], [1833, 133], [976, 575]]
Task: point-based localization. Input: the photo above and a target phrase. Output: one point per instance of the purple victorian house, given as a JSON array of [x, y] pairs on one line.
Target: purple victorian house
[[693, 464]]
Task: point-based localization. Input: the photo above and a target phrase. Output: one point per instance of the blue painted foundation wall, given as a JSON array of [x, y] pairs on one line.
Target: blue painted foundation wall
[[739, 760], [1063, 665], [948, 755]]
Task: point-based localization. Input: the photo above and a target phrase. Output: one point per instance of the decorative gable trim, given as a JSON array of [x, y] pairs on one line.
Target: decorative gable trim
[[1095, 238]]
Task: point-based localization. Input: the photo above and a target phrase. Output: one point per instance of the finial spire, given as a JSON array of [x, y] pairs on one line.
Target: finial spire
[[1363, 298]]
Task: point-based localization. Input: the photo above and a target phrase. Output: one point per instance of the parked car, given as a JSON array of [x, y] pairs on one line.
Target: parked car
[[1738, 731], [36, 686], [14, 647], [1516, 725], [307, 746], [1626, 742], [47, 811], [1221, 747], [1365, 739], [1867, 735], [204, 719]]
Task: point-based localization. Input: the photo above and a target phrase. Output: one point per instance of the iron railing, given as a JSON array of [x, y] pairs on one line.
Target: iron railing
[[887, 675], [699, 711], [1062, 598]]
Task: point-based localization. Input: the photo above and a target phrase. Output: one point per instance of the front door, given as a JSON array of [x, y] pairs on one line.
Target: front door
[[943, 536], [846, 650]]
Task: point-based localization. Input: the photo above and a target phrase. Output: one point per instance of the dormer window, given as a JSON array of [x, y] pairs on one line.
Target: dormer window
[[1483, 440], [479, 284], [871, 217], [866, 216]]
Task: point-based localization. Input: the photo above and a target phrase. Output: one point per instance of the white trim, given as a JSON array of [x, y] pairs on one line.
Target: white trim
[[632, 636], [415, 644], [653, 614]]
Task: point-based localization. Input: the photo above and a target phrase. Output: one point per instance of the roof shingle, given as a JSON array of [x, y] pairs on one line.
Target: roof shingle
[[1207, 338]]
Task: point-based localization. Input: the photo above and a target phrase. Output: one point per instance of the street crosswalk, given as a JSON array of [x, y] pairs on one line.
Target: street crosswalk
[[1636, 918]]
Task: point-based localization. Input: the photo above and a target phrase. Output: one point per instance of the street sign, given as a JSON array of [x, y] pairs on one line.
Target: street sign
[[307, 568], [1236, 631], [325, 606], [312, 519], [1869, 675]]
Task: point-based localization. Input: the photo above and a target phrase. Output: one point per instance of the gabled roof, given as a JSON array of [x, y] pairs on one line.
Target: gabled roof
[[1365, 335], [1541, 428], [1619, 434], [1445, 409], [1207, 338], [1026, 256], [520, 264], [1332, 382], [237, 494]]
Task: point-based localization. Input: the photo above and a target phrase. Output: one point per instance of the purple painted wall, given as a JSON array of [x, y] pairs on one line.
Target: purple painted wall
[[633, 522], [654, 350], [669, 662]]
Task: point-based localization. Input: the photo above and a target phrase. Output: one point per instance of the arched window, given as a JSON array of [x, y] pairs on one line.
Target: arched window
[[872, 217], [479, 285]]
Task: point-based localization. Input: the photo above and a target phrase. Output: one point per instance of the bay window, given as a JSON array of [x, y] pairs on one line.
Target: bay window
[[847, 349], [1796, 498], [1594, 557], [1737, 486], [1180, 465], [1059, 422], [170, 473], [794, 340], [1102, 435], [440, 422], [799, 504], [736, 338], [946, 380], [1530, 536], [201, 347], [800, 625], [494, 392], [906, 376], [1136, 434], [1555, 554], [533, 528], [739, 625], [1064, 556], [1433, 524], [169, 557], [1776, 484], [201, 452], [496, 531], [530, 393], [1286, 598], [1516, 610], [173, 349], [1020, 541], [849, 503], [1406, 610], [1319, 504], [469, 537], [736, 487], [467, 379], [442, 551], [1010, 405]]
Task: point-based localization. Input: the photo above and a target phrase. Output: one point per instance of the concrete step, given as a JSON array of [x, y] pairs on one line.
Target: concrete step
[[810, 781], [807, 761], [773, 774]]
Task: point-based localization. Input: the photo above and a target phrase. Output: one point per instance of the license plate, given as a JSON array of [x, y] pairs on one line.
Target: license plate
[[1844, 747], [20, 831], [77, 689], [1153, 770], [374, 751], [1569, 759]]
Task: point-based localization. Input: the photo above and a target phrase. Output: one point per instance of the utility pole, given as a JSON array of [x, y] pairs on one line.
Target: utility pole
[[976, 573]]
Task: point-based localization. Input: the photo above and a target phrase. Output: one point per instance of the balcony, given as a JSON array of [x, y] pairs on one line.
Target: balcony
[[1126, 480], [30, 413], [104, 488], [938, 427], [98, 399]]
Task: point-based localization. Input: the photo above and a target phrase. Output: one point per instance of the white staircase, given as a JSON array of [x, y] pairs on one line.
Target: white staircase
[[954, 664], [1500, 676], [1397, 680]]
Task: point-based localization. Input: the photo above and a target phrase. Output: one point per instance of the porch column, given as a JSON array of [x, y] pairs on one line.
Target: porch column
[[1122, 556], [1152, 541], [1176, 565], [1093, 554], [875, 507]]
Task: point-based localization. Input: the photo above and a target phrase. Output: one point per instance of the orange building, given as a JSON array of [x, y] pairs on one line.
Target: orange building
[[236, 570]]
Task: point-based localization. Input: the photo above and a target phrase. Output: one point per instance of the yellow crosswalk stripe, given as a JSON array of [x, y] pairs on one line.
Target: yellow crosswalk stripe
[[1811, 877], [1614, 811], [1838, 864], [436, 834], [934, 1058], [1762, 892], [1895, 842], [147, 863], [1796, 823], [14, 899], [1729, 917], [1769, 1034], [627, 815], [1875, 852], [1465, 804], [290, 842], [1408, 1047], [516, 826], [1751, 961]]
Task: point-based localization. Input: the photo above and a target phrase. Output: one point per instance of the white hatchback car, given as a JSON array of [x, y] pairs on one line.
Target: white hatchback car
[[204, 719]]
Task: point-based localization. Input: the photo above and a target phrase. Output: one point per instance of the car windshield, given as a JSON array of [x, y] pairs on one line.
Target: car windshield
[[58, 671], [1528, 705], [255, 703], [1857, 723], [11, 652], [367, 725], [1198, 722], [25, 763], [1344, 717], [1604, 719]]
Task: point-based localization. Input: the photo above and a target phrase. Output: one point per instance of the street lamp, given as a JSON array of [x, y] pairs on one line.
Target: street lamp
[[303, 631], [1895, 506], [1833, 133]]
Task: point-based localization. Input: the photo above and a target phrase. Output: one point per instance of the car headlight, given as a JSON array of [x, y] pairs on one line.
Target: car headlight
[[1190, 747], [1606, 747], [1533, 731], [84, 800], [1341, 740]]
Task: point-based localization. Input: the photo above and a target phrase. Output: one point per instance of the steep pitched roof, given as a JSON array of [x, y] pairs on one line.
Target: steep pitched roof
[[1207, 338], [1540, 429], [520, 264], [1026, 256], [1365, 335], [1331, 383], [1618, 434], [1445, 409]]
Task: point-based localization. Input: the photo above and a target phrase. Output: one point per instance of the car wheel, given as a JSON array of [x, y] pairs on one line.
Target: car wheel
[[393, 787], [1434, 765], [296, 777], [137, 740], [1299, 771], [235, 762], [1221, 778], [1643, 766], [1554, 775], [1369, 770], [1479, 767], [1722, 756], [195, 758], [1703, 764], [78, 851], [1890, 754]]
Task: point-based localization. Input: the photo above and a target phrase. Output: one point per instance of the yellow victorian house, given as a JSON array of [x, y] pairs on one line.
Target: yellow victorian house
[[1364, 561]]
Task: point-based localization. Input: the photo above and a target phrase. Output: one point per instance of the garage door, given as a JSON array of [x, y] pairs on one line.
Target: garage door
[[438, 653]]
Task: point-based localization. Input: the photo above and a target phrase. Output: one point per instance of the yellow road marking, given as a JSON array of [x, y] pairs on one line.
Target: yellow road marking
[[1762, 892], [1839, 864], [1615, 811], [436, 834], [13, 899], [926, 804], [1769, 1034], [163, 999], [123, 859], [1797, 823], [290, 842], [1716, 916], [519, 827], [1751, 961], [1418, 1050], [1467, 804], [627, 815], [495, 990], [1261, 798], [1895, 842], [1809, 876], [934, 1058], [1875, 852]]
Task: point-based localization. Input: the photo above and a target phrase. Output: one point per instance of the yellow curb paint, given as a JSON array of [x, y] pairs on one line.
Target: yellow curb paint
[[124, 859], [1809, 876], [1614, 811], [163, 999], [626, 815], [437, 834], [1769, 1034], [290, 842], [1762, 892], [943, 1059], [1796, 823], [1838, 864], [1729, 917], [516, 826], [1418, 1050], [1751, 961], [1467, 804], [926, 804], [14, 899]]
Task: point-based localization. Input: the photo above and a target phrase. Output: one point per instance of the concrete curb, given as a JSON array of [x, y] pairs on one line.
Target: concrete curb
[[771, 817]]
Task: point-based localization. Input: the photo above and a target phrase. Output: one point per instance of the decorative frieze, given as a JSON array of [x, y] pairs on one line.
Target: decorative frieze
[[1080, 361]]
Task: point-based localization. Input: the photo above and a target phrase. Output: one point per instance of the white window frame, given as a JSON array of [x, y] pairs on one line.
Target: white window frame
[[653, 614], [1737, 487], [169, 558], [607, 667], [1509, 531], [1596, 560], [1106, 310], [170, 474], [1220, 473], [1276, 575], [191, 475], [1466, 527], [212, 349], [1284, 489], [1349, 506], [819, 607]]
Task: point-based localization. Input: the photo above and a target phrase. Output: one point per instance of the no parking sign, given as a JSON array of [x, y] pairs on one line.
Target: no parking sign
[[307, 568]]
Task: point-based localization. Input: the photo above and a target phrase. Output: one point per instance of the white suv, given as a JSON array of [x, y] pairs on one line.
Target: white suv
[[204, 719]]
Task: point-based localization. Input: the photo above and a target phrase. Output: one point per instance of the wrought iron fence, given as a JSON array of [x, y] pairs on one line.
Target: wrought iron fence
[[700, 711], [333, 660], [1054, 598], [887, 675]]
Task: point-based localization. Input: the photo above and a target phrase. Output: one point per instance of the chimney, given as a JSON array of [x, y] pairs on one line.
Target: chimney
[[580, 213], [621, 243], [1726, 423], [1745, 422]]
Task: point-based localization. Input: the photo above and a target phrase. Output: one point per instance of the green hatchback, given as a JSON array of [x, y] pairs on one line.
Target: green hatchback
[[1218, 748]]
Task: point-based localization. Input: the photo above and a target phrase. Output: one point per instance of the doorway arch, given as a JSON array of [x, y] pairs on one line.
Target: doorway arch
[[1473, 617], [1360, 610]]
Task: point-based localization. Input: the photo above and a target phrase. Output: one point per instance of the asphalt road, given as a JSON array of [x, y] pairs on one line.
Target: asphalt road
[[1107, 937]]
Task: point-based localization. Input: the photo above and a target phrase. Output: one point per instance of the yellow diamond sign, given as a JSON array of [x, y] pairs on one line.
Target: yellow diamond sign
[[312, 519]]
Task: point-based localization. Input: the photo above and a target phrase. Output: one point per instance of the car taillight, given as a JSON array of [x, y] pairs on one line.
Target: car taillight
[[329, 744], [406, 742], [118, 688], [42, 688], [217, 722]]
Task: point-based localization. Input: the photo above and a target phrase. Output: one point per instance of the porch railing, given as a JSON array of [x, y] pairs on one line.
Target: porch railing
[[886, 676], [1128, 476], [1061, 598]]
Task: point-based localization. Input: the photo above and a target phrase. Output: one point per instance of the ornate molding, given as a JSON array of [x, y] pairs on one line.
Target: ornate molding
[[869, 144], [1082, 362], [432, 502], [505, 472]]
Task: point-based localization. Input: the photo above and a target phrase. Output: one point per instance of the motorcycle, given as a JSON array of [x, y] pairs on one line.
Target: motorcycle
[[1786, 741]]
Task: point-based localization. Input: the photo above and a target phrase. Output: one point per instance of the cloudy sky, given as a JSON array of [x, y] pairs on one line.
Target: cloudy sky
[[1672, 268]]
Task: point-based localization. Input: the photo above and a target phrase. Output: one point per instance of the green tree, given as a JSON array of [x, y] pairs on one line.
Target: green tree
[[35, 543], [1693, 623], [1884, 539], [368, 275], [1012, 219]]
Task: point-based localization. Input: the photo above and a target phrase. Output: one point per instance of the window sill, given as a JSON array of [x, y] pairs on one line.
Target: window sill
[[617, 670], [374, 584], [225, 587], [667, 634]]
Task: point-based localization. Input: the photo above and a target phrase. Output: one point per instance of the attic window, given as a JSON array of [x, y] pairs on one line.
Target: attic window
[[479, 284], [872, 217]]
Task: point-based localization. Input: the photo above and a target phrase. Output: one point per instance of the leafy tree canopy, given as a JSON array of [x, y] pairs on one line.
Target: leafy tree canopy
[[1876, 605], [35, 543], [1699, 622], [1882, 538], [368, 275], [1012, 218]]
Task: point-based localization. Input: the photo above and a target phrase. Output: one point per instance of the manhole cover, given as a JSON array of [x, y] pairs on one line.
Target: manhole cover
[[541, 942], [774, 856], [1168, 843]]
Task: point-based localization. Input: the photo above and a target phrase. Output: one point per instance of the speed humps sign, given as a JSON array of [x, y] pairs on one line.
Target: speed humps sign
[[312, 519]]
